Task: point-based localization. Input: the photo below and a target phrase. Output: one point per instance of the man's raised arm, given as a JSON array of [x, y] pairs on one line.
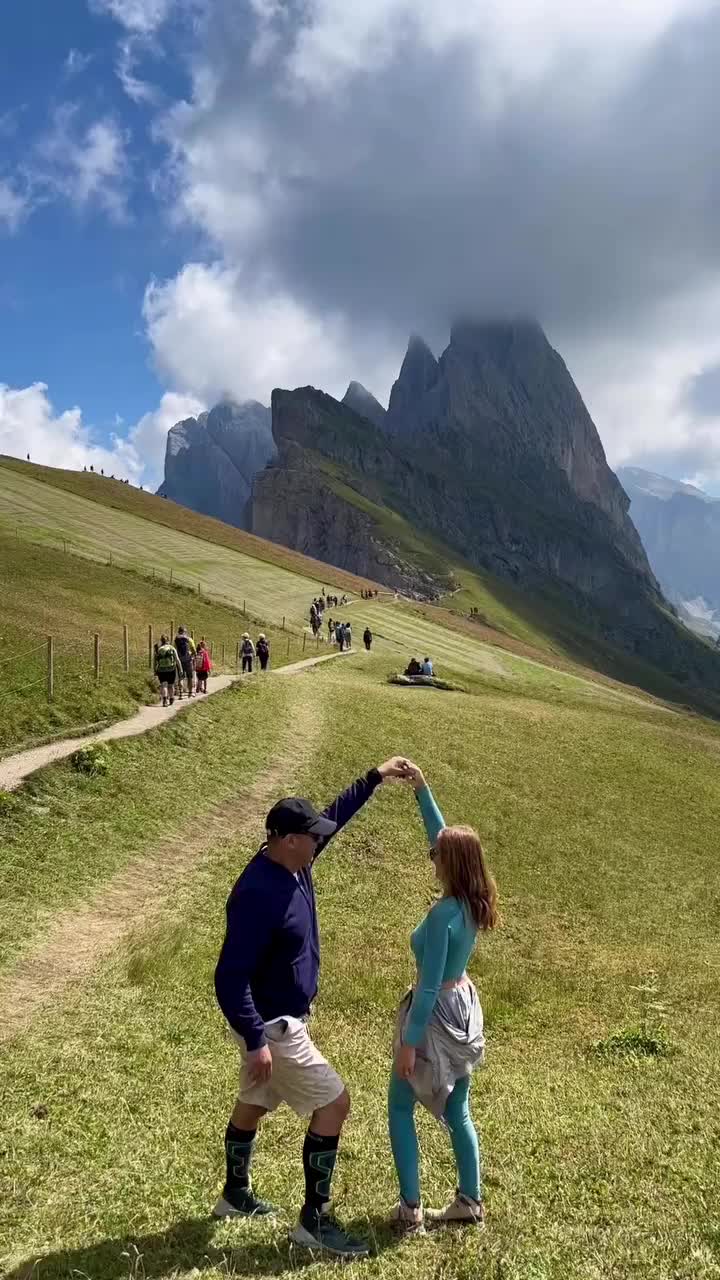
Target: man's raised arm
[[351, 800]]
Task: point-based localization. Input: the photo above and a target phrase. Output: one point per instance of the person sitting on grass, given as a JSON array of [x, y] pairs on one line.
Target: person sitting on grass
[[166, 662], [413, 668], [427, 668], [203, 666], [439, 1036], [265, 981]]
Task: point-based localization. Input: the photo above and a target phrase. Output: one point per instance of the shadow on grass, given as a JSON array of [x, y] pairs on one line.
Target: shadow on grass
[[185, 1245]]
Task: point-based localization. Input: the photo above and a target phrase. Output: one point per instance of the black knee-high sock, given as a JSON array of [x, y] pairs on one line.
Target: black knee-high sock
[[238, 1156], [319, 1156]]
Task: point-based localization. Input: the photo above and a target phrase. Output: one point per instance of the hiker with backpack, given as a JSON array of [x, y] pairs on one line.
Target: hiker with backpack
[[185, 649], [203, 666], [247, 653], [166, 661], [262, 649]]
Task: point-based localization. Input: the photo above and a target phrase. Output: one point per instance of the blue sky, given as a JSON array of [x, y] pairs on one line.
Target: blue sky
[[72, 277], [207, 197]]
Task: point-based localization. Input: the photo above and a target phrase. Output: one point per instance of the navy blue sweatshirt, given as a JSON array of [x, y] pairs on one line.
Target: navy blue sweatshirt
[[270, 959]]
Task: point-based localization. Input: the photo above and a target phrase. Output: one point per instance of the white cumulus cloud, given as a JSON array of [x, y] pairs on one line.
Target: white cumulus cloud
[[212, 333], [30, 424], [361, 170]]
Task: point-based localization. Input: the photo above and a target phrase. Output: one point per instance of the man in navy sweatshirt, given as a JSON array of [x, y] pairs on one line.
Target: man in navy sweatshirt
[[266, 980]]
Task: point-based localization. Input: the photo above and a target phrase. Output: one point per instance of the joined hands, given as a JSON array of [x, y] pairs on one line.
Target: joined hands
[[400, 769]]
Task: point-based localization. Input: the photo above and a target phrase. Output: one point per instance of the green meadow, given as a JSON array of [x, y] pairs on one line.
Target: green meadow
[[598, 1105]]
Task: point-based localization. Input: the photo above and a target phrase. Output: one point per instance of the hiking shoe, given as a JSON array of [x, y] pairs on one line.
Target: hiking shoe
[[172, 700], [464, 1211], [407, 1219], [244, 1204], [321, 1231]]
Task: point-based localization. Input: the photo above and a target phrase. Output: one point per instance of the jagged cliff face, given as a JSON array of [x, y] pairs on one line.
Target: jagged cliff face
[[294, 504], [491, 449], [211, 461], [680, 529], [502, 402]]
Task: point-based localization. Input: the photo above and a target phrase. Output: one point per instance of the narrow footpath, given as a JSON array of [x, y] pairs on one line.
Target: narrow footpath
[[14, 769]]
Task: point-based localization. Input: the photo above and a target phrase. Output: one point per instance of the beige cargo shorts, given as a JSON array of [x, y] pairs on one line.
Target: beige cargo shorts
[[301, 1076]]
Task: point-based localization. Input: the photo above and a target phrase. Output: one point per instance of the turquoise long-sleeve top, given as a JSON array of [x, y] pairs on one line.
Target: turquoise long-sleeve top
[[443, 941]]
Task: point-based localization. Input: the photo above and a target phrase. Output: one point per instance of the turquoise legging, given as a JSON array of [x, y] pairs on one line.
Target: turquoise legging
[[404, 1143]]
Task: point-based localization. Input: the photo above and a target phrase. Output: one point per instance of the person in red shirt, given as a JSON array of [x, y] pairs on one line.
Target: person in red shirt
[[203, 666]]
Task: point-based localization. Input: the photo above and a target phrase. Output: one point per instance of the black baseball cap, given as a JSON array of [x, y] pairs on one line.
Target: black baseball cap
[[296, 817]]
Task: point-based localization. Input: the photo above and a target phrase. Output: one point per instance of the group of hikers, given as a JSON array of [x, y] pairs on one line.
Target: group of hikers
[[424, 668], [319, 605], [181, 662], [250, 651], [368, 594], [266, 980]]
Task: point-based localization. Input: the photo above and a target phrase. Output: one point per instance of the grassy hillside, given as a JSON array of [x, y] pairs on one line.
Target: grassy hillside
[[597, 1108], [125, 498], [47, 592]]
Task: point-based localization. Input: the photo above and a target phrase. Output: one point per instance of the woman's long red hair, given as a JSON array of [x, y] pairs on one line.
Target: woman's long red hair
[[466, 875]]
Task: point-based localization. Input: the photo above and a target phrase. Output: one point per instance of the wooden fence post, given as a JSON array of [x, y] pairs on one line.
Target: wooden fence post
[[283, 622], [150, 647], [171, 576], [223, 656], [245, 608], [96, 655], [50, 669], [304, 639], [172, 631], [126, 647]]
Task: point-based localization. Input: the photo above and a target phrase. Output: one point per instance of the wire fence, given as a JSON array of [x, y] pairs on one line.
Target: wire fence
[[122, 653]]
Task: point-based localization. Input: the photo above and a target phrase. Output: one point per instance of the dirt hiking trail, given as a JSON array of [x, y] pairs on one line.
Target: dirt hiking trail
[[14, 769], [77, 939]]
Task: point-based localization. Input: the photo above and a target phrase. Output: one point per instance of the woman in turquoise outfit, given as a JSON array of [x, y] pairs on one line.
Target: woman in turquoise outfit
[[439, 1034]]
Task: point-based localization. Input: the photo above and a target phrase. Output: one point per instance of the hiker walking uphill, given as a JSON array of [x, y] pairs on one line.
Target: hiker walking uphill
[[247, 652], [265, 981], [262, 649], [367, 638], [185, 649], [166, 661]]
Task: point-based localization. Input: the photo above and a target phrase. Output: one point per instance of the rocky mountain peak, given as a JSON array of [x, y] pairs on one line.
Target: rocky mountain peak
[[419, 373], [212, 460], [362, 401]]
